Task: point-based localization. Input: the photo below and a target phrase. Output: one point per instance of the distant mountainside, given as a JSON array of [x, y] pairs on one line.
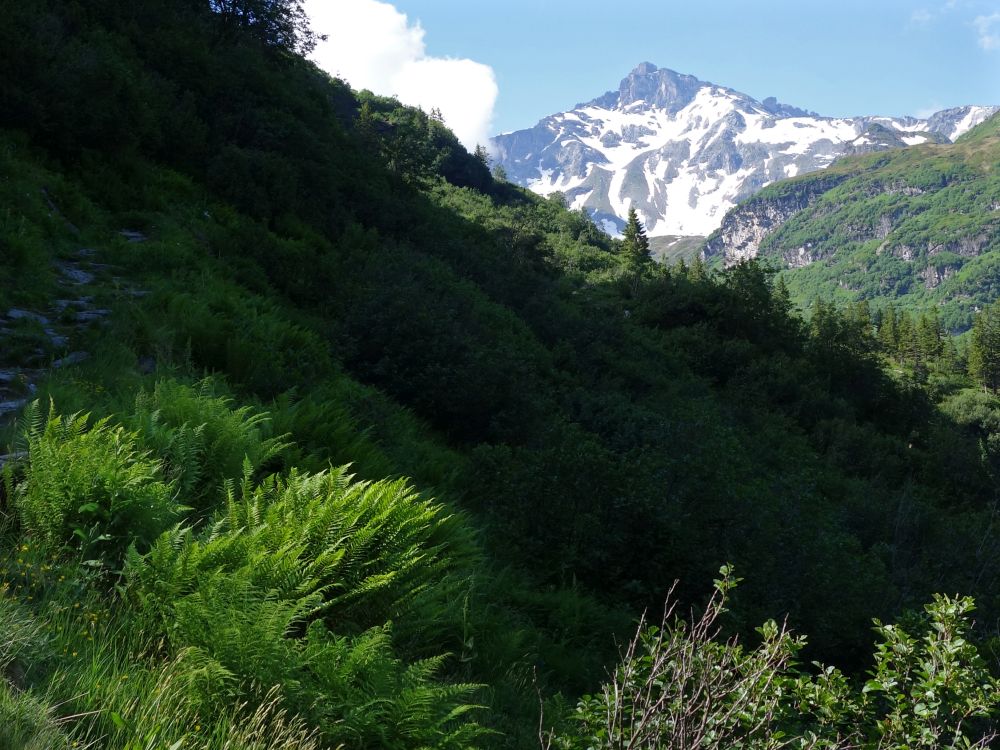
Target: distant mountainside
[[918, 225], [684, 151]]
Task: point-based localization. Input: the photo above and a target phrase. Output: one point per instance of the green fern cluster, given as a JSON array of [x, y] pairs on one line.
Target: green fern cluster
[[285, 565], [90, 486], [202, 439], [366, 550]]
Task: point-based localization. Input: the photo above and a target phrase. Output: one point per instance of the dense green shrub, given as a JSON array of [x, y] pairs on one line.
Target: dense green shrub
[[312, 556]]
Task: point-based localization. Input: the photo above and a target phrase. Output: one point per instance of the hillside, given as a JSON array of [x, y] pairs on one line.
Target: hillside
[[327, 438], [918, 226]]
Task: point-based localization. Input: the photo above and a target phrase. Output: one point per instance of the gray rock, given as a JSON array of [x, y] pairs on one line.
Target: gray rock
[[9, 407], [73, 358], [75, 275], [89, 316], [10, 458], [16, 314], [133, 236], [57, 339]]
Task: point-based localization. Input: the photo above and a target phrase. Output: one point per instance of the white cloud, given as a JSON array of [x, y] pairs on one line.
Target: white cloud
[[373, 46], [989, 36], [921, 16]]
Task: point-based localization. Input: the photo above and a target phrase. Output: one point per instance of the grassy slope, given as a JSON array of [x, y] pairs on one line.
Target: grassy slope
[[917, 226]]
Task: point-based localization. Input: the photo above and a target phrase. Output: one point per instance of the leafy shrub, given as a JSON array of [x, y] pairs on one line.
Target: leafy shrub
[[680, 686], [368, 550]]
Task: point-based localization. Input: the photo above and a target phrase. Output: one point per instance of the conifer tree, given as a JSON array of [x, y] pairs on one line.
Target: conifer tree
[[950, 360], [888, 332], [984, 348], [907, 350], [634, 241], [782, 297], [697, 271], [930, 336]]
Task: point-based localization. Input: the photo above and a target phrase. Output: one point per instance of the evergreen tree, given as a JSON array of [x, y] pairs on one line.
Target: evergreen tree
[[482, 155], [782, 297], [888, 332], [930, 336], [634, 241], [984, 348], [951, 362], [697, 271], [823, 320], [907, 350]]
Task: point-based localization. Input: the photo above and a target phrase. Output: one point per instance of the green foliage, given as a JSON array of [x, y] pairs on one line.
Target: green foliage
[[202, 439], [278, 23], [682, 686], [913, 227], [984, 348], [91, 487], [27, 723], [317, 555], [635, 244], [366, 550], [338, 262]]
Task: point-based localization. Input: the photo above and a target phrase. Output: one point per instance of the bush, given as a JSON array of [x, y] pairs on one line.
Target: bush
[[202, 439], [680, 686]]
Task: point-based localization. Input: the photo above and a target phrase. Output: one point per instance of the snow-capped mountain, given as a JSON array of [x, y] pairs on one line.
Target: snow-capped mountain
[[683, 151]]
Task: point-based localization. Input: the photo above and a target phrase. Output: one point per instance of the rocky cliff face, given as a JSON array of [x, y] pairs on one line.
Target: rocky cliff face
[[743, 230], [915, 227], [684, 151]]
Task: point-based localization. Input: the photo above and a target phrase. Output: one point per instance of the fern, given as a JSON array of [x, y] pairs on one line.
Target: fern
[[203, 440], [310, 555], [90, 486]]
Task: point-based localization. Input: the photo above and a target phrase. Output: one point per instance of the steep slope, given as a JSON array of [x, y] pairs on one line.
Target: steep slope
[[683, 151], [919, 225]]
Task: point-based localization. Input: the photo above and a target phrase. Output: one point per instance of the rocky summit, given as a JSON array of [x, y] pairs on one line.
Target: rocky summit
[[683, 151]]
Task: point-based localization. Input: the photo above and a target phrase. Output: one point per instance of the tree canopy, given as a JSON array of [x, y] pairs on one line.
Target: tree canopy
[[277, 23]]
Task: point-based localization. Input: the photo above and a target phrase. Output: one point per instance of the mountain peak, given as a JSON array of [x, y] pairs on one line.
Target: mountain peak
[[657, 87], [643, 68], [682, 151]]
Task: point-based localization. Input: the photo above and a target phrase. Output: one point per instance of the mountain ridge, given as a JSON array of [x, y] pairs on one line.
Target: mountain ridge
[[683, 151]]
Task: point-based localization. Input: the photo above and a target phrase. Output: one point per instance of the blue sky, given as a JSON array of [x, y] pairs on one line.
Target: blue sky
[[891, 57]]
